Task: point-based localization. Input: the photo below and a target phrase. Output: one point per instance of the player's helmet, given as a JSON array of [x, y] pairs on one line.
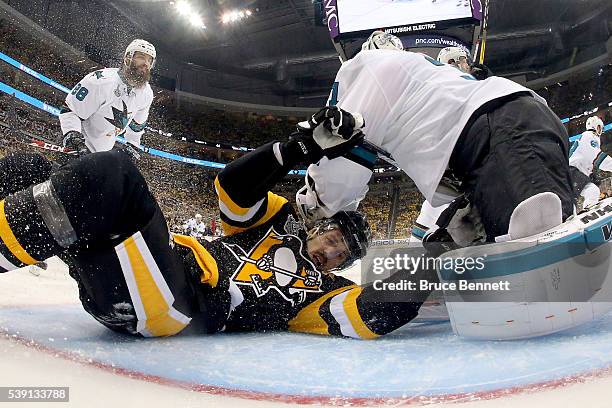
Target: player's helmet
[[379, 40], [355, 230], [198, 216], [142, 46], [452, 53], [593, 122]]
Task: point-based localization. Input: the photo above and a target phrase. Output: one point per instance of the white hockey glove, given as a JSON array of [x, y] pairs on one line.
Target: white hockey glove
[[336, 131], [75, 141]]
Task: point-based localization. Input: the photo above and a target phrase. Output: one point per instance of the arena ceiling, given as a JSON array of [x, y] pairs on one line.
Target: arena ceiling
[[280, 42], [527, 39]]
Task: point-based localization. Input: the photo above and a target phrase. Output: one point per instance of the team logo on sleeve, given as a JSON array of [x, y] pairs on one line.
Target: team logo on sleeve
[[277, 263]]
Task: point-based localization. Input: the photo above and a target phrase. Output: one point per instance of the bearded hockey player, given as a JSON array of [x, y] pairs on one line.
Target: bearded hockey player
[[498, 138], [267, 273], [586, 154], [110, 102]]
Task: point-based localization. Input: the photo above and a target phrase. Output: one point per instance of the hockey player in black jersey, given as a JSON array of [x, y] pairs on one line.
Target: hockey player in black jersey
[[268, 273]]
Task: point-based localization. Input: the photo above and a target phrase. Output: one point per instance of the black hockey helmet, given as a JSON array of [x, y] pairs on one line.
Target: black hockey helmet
[[355, 230]]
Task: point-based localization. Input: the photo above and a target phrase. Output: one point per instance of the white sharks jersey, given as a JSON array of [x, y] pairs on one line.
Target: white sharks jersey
[[415, 108], [103, 107], [586, 153]]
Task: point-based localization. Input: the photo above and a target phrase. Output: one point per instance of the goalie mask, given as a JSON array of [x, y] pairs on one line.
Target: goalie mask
[[379, 40], [337, 242]]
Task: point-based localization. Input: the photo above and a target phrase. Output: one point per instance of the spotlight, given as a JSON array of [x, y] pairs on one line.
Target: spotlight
[[196, 21], [183, 7]]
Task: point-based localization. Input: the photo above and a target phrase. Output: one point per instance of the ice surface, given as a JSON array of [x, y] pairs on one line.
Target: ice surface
[[419, 360]]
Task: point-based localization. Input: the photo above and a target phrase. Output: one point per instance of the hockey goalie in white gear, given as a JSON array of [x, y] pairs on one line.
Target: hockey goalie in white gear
[[410, 120], [585, 155], [379, 40], [110, 102]]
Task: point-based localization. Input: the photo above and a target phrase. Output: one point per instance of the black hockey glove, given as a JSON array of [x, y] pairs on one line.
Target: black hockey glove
[[480, 71], [75, 141], [300, 148], [132, 151], [334, 130]]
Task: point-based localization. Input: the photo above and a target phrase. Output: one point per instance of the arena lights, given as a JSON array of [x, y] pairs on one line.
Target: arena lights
[[184, 9], [196, 21], [235, 15]]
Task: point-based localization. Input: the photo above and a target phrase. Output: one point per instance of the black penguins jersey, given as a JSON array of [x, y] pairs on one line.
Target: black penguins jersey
[[259, 276]]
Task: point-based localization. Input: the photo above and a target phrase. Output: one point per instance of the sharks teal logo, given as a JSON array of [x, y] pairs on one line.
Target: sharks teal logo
[[120, 118]]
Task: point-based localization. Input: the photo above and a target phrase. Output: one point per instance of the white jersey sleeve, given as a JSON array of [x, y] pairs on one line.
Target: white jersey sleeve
[[134, 132], [344, 191]]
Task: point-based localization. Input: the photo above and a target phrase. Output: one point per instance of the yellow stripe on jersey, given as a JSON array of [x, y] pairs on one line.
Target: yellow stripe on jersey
[[208, 264], [275, 203], [225, 198], [9, 239], [309, 320], [351, 310], [149, 291]]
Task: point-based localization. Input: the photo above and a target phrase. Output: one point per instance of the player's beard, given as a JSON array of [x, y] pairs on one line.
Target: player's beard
[[136, 77]]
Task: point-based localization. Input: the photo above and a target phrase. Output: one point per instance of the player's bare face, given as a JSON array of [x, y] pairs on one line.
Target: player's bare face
[[327, 250], [139, 69]]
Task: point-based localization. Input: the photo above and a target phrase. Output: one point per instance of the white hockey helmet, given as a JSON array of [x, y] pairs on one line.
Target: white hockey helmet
[[141, 46], [198, 216], [452, 53], [593, 122], [379, 40]]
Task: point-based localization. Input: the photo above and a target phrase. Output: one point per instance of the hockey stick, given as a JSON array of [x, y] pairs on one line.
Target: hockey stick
[[380, 152]]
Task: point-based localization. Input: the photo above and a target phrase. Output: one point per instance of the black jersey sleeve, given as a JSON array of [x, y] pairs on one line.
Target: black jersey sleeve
[[362, 312], [243, 188]]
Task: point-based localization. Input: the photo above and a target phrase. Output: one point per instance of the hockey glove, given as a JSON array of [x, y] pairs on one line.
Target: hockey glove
[[480, 71], [334, 130], [75, 141], [300, 148], [132, 151]]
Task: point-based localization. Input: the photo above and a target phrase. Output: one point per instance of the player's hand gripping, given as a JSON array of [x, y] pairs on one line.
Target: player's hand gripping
[[75, 141], [334, 130]]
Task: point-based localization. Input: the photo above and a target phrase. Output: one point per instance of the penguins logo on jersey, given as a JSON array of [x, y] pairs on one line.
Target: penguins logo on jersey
[[277, 263]]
